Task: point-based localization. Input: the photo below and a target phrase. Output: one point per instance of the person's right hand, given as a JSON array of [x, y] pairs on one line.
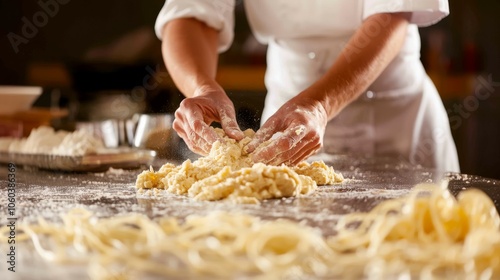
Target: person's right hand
[[195, 114]]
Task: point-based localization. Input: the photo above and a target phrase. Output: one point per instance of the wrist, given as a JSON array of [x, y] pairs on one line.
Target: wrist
[[205, 86], [321, 99], [311, 105]]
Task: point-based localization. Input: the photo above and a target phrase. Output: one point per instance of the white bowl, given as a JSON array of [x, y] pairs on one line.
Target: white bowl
[[17, 98]]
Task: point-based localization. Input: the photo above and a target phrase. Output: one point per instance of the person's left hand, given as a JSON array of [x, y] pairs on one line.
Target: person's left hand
[[295, 132]]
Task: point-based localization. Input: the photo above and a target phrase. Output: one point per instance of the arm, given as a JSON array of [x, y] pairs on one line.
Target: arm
[[190, 52], [303, 119]]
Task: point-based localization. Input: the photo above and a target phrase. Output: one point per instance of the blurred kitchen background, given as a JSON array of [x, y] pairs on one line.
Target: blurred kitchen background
[[100, 60]]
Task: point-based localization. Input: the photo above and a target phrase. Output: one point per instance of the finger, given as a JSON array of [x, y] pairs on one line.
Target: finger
[[278, 148], [190, 138], [311, 146], [301, 151], [184, 136], [230, 125], [263, 134], [198, 136], [198, 144], [296, 155], [304, 154], [202, 135], [178, 126]]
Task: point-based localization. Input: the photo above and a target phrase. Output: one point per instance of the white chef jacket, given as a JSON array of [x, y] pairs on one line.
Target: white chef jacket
[[401, 113]]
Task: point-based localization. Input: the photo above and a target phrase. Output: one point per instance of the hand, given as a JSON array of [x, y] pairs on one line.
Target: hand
[[295, 132], [195, 114]]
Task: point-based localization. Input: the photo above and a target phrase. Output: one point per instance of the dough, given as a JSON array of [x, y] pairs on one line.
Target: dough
[[252, 184], [228, 173], [319, 172]]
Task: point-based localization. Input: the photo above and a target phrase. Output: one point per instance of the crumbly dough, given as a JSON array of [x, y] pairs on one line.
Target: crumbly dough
[[228, 173], [319, 172], [252, 184]]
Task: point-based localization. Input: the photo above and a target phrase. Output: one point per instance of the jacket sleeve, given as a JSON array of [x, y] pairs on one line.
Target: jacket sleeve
[[423, 12], [218, 14]]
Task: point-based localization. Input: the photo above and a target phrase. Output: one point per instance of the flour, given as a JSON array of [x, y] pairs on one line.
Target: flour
[[45, 140]]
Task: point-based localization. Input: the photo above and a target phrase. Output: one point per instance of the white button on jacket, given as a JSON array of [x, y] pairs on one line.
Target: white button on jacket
[[401, 114]]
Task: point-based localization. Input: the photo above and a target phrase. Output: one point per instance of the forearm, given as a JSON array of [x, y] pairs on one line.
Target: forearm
[[359, 64], [190, 52]]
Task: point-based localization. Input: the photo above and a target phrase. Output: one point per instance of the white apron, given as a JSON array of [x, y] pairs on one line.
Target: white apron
[[399, 118], [401, 114]]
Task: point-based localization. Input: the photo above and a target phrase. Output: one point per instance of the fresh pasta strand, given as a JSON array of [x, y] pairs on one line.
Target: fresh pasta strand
[[428, 235], [430, 231]]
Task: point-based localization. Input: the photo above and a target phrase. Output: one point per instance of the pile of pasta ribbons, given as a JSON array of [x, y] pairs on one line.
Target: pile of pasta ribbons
[[428, 235]]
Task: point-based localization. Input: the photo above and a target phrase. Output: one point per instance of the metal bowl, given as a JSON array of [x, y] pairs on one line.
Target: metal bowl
[[155, 132], [109, 131]]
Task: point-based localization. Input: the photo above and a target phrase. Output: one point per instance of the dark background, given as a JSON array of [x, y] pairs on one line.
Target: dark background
[[90, 54]]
